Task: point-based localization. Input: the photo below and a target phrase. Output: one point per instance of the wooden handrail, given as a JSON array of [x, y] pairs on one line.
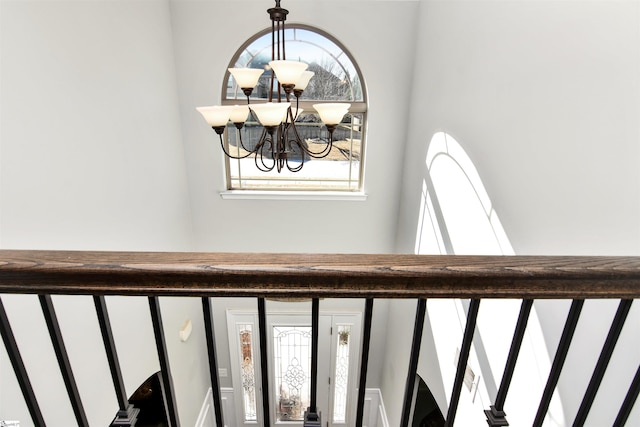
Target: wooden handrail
[[317, 275]]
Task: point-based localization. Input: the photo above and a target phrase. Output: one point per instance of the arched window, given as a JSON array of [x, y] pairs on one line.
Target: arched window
[[337, 78]]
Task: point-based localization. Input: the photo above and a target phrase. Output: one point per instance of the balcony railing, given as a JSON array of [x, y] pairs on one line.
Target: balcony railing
[[264, 276]]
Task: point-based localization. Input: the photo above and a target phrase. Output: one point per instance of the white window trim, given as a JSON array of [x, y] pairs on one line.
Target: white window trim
[[359, 106], [293, 195]]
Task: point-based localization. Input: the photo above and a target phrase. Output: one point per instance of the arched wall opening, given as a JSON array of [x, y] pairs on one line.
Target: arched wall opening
[[426, 412]]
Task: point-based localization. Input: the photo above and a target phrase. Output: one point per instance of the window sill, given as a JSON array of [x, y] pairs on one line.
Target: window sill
[[293, 195]]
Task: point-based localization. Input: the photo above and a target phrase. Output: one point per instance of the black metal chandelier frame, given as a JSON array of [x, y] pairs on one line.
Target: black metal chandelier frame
[[280, 145]]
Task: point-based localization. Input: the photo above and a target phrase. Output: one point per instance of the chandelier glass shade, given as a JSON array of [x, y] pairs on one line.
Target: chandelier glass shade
[[279, 145]]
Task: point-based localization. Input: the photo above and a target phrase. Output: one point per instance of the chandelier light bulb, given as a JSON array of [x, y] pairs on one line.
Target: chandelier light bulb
[[331, 114], [246, 78], [216, 116], [271, 113], [288, 72]]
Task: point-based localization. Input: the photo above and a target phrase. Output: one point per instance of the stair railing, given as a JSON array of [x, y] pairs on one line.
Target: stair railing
[[263, 275]]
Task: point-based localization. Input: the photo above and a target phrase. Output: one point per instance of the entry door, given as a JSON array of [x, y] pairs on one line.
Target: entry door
[[289, 350], [289, 336]]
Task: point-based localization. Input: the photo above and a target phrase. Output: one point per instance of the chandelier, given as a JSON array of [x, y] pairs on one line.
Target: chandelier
[[279, 145]]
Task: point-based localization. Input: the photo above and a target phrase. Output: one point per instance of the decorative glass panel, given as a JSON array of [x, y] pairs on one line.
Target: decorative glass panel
[[248, 372], [292, 363], [339, 170], [342, 374], [336, 79]]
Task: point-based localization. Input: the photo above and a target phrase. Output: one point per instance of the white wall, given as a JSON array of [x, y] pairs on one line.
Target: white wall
[[544, 96], [188, 360], [399, 333], [91, 148], [207, 34], [91, 159]]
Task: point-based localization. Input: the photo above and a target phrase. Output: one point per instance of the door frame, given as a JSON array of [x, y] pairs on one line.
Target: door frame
[[330, 319]]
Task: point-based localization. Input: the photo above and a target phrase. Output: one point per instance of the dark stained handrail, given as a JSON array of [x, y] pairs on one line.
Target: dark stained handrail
[[317, 275], [264, 275]]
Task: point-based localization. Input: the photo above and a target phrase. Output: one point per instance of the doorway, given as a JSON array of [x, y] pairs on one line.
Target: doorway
[[426, 412], [289, 361]]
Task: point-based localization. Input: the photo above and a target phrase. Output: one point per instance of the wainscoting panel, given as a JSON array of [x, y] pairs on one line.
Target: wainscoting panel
[[206, 418], [228, 406], [374, 412]]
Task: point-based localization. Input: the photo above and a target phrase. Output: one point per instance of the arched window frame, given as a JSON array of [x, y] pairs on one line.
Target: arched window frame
[[300, 182]]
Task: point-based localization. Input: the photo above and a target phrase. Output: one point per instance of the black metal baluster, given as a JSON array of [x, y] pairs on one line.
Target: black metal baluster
[[558, 360], [63, 359], [315, 317], [467, 340], [163, 356], [110, 347], [262, 321], [312, 415], [629, 400], [213, 360], [496, 416], [127, 414], [364, 362], [603, 362], [413, 362], [18, 367]]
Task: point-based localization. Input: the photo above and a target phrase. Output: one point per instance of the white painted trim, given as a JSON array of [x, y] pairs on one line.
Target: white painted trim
[[228, 406], [374, 413], [293, 195], [206, 417], [201, 421], [382, 420]]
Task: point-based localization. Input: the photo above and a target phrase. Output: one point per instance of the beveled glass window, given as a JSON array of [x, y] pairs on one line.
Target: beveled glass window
[[292, 361], [341, 382], [248, 371], [337, 78]]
